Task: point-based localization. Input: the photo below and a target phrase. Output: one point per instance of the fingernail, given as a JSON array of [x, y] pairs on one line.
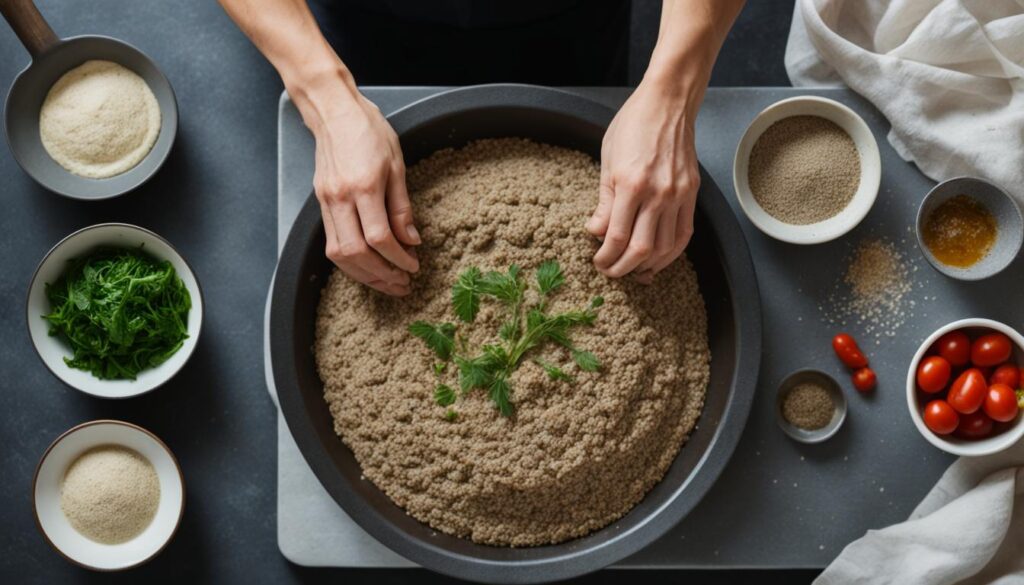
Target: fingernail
[[413, 233]]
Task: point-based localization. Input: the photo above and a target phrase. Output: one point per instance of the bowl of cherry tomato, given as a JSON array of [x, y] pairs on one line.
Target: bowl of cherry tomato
[[964, 387]]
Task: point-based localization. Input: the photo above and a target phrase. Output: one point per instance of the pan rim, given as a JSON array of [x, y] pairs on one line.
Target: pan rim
[[739, 275]]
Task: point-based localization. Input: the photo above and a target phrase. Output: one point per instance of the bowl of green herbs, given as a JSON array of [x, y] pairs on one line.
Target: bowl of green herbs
[[114, 310]]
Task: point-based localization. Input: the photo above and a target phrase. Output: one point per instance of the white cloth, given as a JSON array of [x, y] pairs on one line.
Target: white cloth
[[947, 74], [969, 530]]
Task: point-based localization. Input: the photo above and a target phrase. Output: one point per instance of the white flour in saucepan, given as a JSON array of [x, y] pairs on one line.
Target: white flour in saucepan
[[99, 120]]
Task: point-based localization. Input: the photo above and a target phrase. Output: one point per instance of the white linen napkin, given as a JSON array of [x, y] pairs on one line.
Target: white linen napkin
[[947, 74], [969, 530]]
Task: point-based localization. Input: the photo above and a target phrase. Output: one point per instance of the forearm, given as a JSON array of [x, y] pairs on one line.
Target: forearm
[[289, 37], [689, 37]]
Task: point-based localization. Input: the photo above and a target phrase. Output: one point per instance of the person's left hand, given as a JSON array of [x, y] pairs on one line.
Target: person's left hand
[[649, 182]]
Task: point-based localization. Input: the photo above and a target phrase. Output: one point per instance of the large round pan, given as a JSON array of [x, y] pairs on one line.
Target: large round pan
[[727, 282]]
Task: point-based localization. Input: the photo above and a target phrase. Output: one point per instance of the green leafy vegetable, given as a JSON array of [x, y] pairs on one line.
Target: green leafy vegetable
[[121, 310], [554, 372], [549, 277], [440, 338], [466, 295], [444, 395], [524, 330], [450, 415]]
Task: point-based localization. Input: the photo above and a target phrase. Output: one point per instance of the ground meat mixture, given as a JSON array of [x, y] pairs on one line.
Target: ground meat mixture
[[575, 457]]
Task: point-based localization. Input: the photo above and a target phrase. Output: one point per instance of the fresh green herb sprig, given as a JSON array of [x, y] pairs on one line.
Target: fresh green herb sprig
[[525, 329], [121, 310]]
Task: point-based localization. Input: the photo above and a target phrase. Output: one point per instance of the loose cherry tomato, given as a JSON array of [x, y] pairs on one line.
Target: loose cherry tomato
[[1008, 374], [968, 391], [976, 425], [864, 379], [991, 349], [849, 353], [955, 346], [1001, 403], [933, 374], [940, 417]]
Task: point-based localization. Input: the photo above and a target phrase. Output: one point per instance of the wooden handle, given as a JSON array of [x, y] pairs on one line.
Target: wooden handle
[[29, 25]]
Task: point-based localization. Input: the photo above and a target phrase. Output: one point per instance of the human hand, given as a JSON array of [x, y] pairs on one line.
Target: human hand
[[649, 182], [360, 184]]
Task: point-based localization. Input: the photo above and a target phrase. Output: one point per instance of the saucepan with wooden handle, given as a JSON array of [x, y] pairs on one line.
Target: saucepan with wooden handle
[[52, 57]]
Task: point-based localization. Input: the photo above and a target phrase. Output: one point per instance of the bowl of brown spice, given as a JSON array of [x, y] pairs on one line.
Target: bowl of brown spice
[[810, 406], [969, 229], [807, 170]]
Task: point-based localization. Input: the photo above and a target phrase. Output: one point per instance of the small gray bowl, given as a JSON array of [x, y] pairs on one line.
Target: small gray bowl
[[1004, 208], [835, 393]]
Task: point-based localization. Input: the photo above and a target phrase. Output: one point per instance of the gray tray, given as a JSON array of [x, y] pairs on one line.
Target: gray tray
[[779, 504]]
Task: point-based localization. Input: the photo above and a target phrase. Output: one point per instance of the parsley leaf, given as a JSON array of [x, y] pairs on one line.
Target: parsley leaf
[[440, 338], [549, 277], [587, 361], [444, 395], [466, 295], [554, 372]]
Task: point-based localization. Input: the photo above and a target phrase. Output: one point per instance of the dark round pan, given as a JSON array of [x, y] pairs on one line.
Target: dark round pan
[[727, 282], [52, 57]]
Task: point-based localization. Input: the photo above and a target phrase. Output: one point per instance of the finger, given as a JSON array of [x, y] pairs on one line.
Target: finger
[[358, 274], [620, 228], [684, 231], [645, 277], [664, 240], [377, 231], [640, 247], [597, 225], [355, 250], [400, 209]]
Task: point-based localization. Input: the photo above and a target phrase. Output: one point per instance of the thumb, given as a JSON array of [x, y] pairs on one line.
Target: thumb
[[400, 209]]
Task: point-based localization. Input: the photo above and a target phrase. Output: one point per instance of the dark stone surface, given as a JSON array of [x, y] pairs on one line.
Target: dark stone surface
[[214, 200]]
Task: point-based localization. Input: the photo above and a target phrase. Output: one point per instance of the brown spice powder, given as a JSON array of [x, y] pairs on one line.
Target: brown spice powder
[[803, 170], [575, 457], [808, 406]]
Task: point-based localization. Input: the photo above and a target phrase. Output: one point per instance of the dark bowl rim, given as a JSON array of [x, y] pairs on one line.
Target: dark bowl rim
[[75, 429], [739, 275]]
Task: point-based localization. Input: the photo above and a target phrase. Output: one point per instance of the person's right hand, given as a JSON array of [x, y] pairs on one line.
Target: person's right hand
[[360, 183]]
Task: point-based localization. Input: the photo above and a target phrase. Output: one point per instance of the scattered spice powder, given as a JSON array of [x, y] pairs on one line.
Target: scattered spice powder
[[874, 293], [808, 406], [960, 231], [803, 170]]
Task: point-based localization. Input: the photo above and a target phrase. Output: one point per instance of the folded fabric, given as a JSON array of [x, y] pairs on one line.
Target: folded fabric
[[969, 529], [947, 74]]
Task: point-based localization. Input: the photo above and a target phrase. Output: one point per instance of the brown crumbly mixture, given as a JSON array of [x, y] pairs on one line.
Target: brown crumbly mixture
[[808, 406], [804, 169], [575, 457]]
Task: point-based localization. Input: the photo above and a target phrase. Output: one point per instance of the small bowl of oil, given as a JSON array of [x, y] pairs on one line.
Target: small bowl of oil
[[969, 229]]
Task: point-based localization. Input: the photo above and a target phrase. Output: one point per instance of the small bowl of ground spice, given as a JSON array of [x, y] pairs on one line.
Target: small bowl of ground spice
[[108, 495], [810, 406], [969, 229], [807, 170]]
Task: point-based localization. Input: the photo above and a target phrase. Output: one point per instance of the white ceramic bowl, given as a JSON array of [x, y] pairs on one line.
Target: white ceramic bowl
[[949, 443], [69, 542], [53, 349], [870, 170]]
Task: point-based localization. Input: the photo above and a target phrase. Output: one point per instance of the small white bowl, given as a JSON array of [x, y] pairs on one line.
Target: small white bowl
[[54, 525], [870, 170], [950, 443], [52, 349]]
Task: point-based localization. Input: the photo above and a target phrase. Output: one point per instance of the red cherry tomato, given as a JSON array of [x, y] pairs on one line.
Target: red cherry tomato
[[848, 352], [1008, 374], [968, 391], [933, 374], [864, 379], [955, 346], [991, 349], [1001, 403], [976, 425], [940, 417]]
